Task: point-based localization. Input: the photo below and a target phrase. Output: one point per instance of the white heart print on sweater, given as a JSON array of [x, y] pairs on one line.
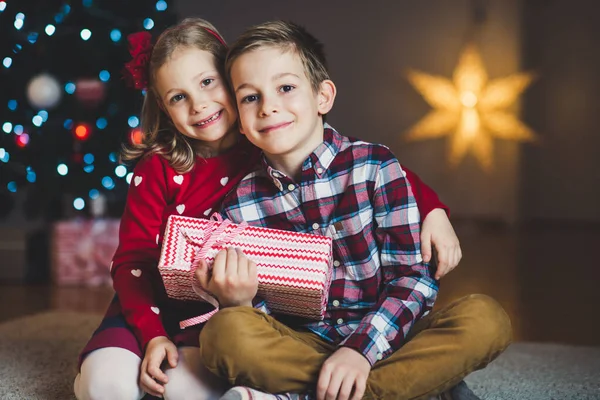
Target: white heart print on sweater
[[224, 181], [155, 310], [180, 208], [137, 180], [178, 179], [136, 272]]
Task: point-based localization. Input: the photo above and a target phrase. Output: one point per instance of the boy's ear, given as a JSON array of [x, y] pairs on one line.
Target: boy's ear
[[326, 96]]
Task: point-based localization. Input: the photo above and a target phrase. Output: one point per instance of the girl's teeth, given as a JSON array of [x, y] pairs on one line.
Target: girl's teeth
[[210, 119]]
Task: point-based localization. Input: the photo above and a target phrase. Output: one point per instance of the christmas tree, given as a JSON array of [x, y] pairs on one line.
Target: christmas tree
[[65, 109]]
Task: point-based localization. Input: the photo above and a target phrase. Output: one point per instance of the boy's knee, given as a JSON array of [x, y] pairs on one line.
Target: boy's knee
[[226, 335], [488, 323]]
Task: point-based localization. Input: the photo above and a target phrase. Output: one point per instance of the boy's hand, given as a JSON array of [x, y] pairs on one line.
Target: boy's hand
[[343, 374], [437, 230], [233, 279], [152, 378]]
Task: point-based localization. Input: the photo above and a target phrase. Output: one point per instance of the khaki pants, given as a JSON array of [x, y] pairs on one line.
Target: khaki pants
[[250, 348]]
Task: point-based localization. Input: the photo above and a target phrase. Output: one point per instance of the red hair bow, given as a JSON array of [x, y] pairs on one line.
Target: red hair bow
[[140, 48]]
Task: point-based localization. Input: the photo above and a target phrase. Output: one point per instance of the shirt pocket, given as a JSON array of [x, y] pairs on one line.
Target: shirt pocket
[[353, 247]]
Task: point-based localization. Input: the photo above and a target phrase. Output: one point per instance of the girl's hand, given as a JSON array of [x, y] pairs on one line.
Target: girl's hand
[[152, 378], [233, 279], [437, 230]]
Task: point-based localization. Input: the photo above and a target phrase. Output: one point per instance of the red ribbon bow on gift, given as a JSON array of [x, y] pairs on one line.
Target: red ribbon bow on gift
[[140, 48]]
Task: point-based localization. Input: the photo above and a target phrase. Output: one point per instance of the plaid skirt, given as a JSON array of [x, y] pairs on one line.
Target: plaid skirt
[[115, 332]]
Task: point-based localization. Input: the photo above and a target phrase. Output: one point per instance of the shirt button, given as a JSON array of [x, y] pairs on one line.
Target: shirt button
[[336, 263], [315, 226], [276, 174], [379, 356], [336, 303], [340, 321], [291, 187], [319, 170]]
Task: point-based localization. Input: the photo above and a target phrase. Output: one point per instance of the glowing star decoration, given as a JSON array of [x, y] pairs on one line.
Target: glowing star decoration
[[470, 109]]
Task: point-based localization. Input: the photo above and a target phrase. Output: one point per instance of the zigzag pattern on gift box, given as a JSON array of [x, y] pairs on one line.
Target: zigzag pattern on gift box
[[294, 269]]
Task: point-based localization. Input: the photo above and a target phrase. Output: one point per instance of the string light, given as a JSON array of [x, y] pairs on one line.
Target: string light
[[161, 5], [129, 177], [104, 75], [12, 187], [4, 156], [31, 175], [32, 37], [70, 87], [133, 121], [89, 169], [148, 23], [7, 62], [88, 158], [94, 193], [7, 127], [22, 140], [2, 6], [50, 29], [82, 131], [62, 169], [120, 171], [12, 105], [136, 136], [101, 123], [108, 182], [79, 204], [86, 34], [115, 35], [43, 114]]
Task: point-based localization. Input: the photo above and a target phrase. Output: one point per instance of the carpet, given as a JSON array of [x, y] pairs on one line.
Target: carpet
[[38, 358]]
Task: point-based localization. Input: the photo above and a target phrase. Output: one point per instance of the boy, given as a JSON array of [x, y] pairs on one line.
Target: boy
[[376, 340]]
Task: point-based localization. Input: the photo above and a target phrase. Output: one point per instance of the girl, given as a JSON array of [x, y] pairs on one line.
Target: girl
[[191, 156]]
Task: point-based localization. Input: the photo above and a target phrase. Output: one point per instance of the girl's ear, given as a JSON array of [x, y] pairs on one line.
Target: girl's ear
[[326, 96]]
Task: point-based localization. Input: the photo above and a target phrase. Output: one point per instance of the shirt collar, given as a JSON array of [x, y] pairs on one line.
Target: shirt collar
[[320, 159]]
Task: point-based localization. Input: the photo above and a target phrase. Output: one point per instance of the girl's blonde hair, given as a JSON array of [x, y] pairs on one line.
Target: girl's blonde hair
[[159, 134]]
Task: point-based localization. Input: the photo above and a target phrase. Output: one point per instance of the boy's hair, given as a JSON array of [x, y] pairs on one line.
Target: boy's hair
[[287, 36], [159, 134]]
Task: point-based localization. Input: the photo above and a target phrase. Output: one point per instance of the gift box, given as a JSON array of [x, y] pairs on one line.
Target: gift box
[[82, 251], [294, 269]]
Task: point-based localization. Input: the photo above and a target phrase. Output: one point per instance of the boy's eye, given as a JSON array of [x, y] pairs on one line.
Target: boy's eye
[[177, 97], [286, 88], [250, 99], [207, 81]]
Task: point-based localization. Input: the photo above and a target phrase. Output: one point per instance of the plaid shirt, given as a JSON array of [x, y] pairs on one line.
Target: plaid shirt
[[356, 193]]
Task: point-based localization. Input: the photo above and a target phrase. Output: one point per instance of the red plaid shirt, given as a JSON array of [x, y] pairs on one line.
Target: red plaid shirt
[[358, 194]]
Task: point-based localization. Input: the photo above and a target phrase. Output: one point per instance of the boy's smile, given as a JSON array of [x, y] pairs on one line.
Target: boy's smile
[[279, 111]]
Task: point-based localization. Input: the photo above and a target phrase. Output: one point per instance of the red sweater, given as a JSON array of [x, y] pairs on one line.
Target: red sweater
[[157, 191]]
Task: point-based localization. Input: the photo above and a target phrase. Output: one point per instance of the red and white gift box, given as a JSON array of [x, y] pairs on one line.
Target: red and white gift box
[[82, 251], [294, 269]]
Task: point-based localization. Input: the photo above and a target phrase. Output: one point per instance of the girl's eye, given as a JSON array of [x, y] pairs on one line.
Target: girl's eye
[[286, 88], [206, 82], [250, 99], [177, 97]]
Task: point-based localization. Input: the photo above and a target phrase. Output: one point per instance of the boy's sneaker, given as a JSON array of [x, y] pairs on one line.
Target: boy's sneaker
[[246, 393], [459, 392]]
